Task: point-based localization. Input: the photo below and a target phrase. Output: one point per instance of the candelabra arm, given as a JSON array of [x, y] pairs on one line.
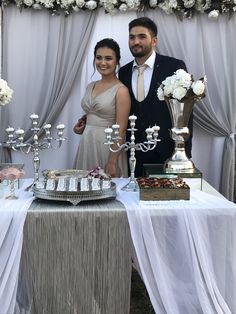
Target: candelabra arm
[[124, 146]]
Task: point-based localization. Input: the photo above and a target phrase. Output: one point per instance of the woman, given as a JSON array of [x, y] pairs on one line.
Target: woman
[[106, 102]]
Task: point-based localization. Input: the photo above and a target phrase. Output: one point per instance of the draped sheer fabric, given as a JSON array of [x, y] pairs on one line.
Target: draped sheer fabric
[[11, 237], [50, 54], [54, 65], [185, 252]]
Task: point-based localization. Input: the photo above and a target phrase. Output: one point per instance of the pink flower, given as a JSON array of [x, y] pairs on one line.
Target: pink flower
[[11, 173]]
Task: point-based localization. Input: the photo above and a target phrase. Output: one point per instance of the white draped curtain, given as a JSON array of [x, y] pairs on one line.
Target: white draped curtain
[[47, 60]]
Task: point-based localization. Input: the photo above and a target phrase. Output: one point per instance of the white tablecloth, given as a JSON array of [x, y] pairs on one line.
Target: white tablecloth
[[186, 251], [12, 218]]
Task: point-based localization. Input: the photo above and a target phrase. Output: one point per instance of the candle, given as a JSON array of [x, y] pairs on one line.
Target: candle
[[149, 130], [132, 118], [34, 116], [115, 126], [20, 132], [10, 129], [156, 128], [108, 130], [47, 126], [60, 126]]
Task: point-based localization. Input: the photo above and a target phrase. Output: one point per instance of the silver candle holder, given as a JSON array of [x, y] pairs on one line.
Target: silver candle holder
[[15, 141], [113, 137]]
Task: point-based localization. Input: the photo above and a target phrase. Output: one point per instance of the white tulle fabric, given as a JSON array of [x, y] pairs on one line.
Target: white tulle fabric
[[12, 218], [186, 252]]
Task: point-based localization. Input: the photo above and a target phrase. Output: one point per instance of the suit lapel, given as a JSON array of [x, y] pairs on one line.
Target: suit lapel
[[155, 75]]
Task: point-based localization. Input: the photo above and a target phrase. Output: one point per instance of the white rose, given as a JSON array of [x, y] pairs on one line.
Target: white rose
[[28, 2], [91, 4], [160, 93], [214, 14], [179, 92], [80, 3], [153, 3], [184, 78], [5, 93], [168, 90], [123, 7], [198, 88], [189, 3]]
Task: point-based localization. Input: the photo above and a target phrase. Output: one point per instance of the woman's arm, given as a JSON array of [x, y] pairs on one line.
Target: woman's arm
[[123, 104]]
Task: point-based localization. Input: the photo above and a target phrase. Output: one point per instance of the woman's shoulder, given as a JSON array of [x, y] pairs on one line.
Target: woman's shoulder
[[121, 88], [91, 84]]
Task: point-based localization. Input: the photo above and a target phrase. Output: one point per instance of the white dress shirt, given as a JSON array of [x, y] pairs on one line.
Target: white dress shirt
[[147, 74]]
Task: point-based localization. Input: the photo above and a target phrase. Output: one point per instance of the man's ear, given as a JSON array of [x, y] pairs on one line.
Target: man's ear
[[154, 42]]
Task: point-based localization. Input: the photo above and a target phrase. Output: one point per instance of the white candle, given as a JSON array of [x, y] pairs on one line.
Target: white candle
[[115, 126], [132, 118], [108, 130], [20, 132], [47, 126], [34, 116], [60, 126], [10, 129], [156, 128], [149, 130]]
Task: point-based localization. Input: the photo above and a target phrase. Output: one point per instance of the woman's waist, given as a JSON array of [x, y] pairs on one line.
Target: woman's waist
[[94, 120]]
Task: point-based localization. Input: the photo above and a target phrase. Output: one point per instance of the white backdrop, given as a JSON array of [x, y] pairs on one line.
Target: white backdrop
[[207, 149]]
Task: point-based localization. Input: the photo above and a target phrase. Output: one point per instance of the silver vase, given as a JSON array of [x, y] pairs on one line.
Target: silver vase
[[180, 113]]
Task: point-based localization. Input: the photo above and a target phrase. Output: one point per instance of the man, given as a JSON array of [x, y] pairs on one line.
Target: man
[[149, 109]]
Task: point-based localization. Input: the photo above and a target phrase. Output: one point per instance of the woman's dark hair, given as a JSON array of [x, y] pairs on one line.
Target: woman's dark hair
[[108, 43], [144, 22]]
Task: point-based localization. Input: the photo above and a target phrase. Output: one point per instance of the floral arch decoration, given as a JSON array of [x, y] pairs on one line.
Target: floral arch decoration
[[181, 8]]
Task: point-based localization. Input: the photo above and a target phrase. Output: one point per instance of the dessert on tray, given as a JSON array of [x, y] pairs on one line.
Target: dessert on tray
[[154, 188]]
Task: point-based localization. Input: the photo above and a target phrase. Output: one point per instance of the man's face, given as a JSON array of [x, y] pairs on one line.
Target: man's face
[[141, 42]]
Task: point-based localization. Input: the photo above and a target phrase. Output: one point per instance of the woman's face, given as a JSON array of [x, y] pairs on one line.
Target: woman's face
[[105, 61]]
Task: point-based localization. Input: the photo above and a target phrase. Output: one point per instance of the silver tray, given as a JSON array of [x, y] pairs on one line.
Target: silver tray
[[54, 174], [76, 197]]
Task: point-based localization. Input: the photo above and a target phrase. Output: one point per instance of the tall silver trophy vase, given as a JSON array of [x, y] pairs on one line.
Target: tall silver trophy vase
[[180, 113]]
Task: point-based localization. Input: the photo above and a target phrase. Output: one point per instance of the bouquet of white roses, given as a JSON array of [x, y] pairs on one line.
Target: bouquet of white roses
[[5, 93], [181, 86]]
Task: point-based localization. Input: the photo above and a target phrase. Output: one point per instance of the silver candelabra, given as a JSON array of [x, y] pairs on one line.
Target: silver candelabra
[[113, 138], [15, 141]]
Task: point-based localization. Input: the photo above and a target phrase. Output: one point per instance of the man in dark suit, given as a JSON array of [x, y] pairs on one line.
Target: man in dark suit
[[150, 110]]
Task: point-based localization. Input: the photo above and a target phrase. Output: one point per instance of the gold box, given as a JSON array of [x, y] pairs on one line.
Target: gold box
[[163, 189]]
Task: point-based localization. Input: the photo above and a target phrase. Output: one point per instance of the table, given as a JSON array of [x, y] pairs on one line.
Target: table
[[76, 259]]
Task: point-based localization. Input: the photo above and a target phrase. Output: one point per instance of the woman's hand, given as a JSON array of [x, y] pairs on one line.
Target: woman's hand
[[80, 125], [110, 169]]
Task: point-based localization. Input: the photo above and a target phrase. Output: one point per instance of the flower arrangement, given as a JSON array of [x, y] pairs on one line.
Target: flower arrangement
[[11, 173], [182, 8], [181, 86], [5, 93]]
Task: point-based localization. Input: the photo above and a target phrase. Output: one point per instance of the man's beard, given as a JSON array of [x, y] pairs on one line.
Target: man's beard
[[141, 53]]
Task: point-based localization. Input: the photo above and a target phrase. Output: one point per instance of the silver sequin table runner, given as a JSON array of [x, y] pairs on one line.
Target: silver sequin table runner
[[75, 259]]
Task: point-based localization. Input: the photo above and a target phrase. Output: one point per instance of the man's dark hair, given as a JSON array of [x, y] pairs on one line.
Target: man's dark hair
[[144, 22]]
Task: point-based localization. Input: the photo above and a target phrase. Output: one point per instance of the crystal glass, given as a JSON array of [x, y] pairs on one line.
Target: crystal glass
[[12, 174], [12, 195]]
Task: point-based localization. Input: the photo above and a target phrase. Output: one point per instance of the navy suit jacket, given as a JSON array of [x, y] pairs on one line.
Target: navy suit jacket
[[152, 111]]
